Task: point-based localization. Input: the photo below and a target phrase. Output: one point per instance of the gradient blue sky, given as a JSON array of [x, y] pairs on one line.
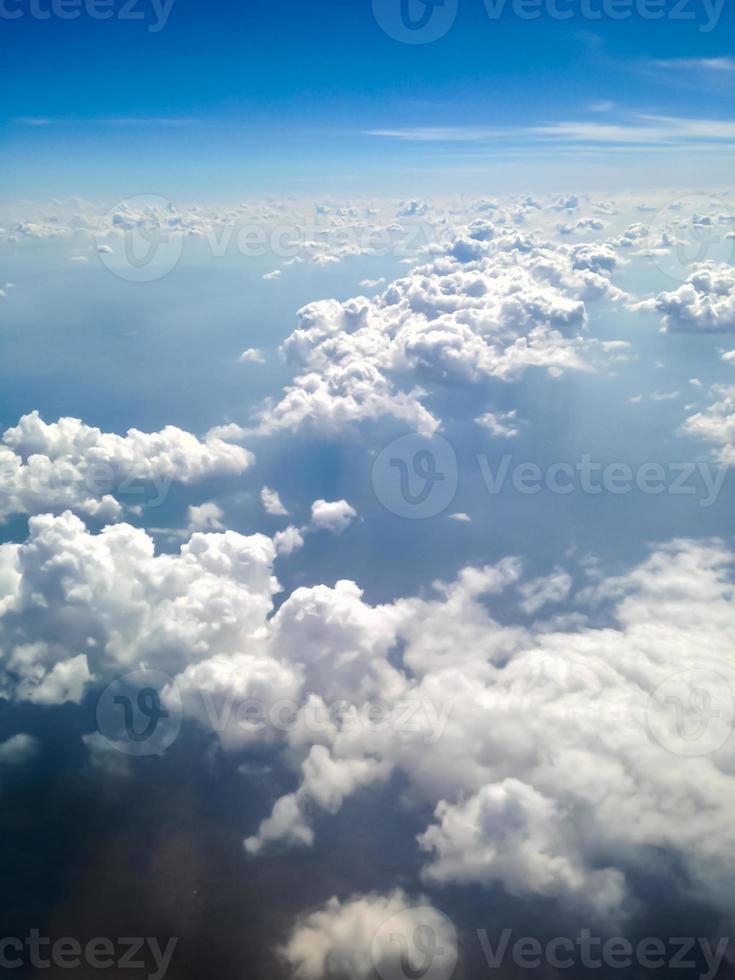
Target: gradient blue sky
[[232, 99]]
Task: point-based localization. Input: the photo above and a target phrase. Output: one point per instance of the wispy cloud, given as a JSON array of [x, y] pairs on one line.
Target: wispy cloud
[[441, 134], [160, 121], [697, 64], [639, 129]]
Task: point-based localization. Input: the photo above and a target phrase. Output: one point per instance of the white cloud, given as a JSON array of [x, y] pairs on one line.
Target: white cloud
[[67, 464], [355, 937], [17, 750], [79, 606], [530, 744], [564, 788], [716, 423], [706, 64], [704, 303], [502, 424], [335, 516], [288, 540], [252, 356], [540, 592], [272, 503], [485, 307], [205, 517]]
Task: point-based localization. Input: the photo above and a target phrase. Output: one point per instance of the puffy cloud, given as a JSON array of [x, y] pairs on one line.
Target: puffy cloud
[[705, 303], [487, 306], [716, 424], [18, 749], [364, 933], [80, 606], [536, 747], [500, 423], [543, 773], [205, 517], [252, 356], [412, 209], [272, 502], [528, 848], [288, 540], [553, 588], [335, 516], [67, 464]]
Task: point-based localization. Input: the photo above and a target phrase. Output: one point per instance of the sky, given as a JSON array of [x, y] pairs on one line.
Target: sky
[[367, 479], [292, 94]]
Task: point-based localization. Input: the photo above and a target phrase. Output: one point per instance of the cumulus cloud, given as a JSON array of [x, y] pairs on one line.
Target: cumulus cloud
[[80, 607], [540, 592], [17, 749], [335, 516], [272, 503], [486, 306], [705, 303], [252, 356], [500, 423], [530, 744], [205, 517], [364, 933], [716, 423], [70, 465], [533, 800], [288, 540]]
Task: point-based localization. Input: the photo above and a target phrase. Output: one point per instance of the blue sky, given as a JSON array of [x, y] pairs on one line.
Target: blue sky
[[310, 341], [295, 96]]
